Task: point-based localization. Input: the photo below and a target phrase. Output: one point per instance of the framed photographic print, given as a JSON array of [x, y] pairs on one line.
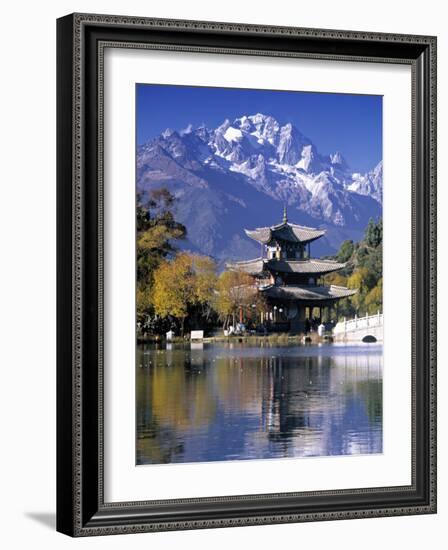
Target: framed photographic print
[[246, 274]]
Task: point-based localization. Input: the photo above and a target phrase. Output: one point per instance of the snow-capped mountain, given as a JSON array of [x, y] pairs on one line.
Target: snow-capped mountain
[[242, 172], [370, 184]]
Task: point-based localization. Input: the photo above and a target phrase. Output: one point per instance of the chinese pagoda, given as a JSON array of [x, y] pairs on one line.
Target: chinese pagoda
[[290, 279]]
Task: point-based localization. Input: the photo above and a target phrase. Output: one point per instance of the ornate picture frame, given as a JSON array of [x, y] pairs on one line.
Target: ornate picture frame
[[81, 506]]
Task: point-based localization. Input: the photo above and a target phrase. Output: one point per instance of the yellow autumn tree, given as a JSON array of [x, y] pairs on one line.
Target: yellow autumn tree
[[143, 300], [204, 278], [374, 299], [185, 281], [236, 291], [357, 281], [157, 233], [335, 278]]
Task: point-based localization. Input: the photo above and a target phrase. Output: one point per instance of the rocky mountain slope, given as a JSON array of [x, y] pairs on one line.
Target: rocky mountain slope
[[240, 174]]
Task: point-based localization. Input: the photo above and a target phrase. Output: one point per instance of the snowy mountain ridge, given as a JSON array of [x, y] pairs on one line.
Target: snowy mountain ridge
[[254, 157]]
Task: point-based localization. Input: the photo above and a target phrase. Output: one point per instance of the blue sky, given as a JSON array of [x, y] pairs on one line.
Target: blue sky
[[351, 124]]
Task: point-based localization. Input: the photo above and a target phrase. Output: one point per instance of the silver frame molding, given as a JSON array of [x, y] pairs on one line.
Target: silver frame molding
[[81, 509]]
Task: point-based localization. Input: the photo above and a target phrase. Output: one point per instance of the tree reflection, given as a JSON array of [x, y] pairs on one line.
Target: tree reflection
[[280, 404]]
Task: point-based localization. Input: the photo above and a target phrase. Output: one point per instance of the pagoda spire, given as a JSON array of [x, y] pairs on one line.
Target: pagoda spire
[[285, 214]]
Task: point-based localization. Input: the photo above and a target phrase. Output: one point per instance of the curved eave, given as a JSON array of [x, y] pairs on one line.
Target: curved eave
[[310, 240], [301, 233], [307, 235], [258, 266], [252, 267], [297, 233], [255, 234], [304, 267], [308, 293]]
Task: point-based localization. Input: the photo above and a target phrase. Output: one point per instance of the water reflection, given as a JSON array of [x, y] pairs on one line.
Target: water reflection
[[207, 402]]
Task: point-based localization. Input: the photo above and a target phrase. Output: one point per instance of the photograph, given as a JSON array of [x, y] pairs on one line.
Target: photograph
[[259, 274], [246, 273], [224, 332]]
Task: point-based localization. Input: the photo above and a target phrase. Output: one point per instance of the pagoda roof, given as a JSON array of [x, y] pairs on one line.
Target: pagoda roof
[[285, 231], [310, 266], [308, 293], [304, 266], [253, 267]]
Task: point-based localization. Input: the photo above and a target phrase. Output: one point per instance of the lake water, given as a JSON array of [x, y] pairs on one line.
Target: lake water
[[208, 402]]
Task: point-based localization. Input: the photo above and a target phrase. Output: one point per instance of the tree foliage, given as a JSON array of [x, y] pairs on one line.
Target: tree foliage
[[156, 231], [345, 251], [183, 283], [363, 272], [233, 290], [236, 293], [374, 233]]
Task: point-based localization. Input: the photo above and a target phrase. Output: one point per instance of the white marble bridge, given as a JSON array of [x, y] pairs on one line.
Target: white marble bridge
[[360, 329]]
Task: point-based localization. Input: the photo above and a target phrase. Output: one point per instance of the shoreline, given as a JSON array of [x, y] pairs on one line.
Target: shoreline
[[274, 338]]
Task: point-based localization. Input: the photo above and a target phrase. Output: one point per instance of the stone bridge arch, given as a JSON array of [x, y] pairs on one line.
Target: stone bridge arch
[[366, 329]]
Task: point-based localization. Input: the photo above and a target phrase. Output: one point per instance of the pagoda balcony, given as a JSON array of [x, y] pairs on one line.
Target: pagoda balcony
[[265, 283]]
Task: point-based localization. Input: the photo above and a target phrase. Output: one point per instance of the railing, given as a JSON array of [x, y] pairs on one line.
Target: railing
[[358, 323]]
